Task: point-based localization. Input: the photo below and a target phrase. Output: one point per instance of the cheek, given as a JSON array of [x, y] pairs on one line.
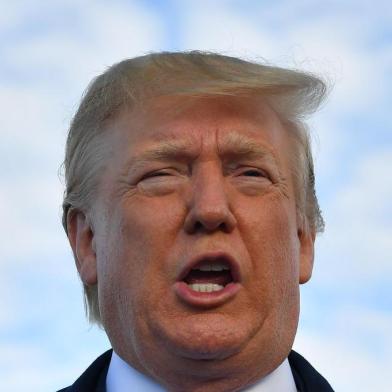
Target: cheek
[[270, 235], [276, 267], [121, 265], [149, 227], [138, 236]]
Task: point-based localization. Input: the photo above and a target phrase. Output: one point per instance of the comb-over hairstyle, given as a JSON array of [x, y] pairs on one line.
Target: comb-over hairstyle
[[292, 94]]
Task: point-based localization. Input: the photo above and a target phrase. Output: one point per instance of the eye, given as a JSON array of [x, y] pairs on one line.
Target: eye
[[253, 172], [160, 182], [163, 176], [158, 174]]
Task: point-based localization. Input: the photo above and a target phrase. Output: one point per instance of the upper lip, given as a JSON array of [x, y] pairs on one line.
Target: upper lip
[[217, 255]]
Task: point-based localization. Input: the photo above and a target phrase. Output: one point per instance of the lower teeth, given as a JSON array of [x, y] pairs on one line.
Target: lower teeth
[[205, 287]]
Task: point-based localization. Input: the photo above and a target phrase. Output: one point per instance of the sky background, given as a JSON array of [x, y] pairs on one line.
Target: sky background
[[50, 50]]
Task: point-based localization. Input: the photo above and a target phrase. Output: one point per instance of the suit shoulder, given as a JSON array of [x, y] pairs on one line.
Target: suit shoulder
[[94, 377], [307, 378]]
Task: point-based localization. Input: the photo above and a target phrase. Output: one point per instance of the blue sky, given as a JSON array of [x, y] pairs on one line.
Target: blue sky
[[49, 52]]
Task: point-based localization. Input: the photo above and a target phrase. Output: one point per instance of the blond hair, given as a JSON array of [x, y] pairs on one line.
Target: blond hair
[[292, 94]]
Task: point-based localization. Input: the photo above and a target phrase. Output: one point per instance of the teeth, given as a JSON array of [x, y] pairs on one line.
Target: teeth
[[206, 287], [213, 267]]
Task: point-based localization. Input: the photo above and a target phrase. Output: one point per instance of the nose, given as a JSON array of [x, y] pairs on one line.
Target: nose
[[208, 207]]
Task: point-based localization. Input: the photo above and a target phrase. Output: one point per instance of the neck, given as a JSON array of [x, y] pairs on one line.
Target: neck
[[206, 375]]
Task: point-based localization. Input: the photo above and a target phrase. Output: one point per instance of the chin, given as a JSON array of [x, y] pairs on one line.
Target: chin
[[210, 336]]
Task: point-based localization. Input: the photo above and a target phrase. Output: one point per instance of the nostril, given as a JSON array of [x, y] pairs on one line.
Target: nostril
[[209, 227], [208, 219], [223, 227], [198, 226]]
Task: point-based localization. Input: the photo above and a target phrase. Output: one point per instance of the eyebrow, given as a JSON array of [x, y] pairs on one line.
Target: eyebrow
[[239, 146], [234, 147], [168, 150]]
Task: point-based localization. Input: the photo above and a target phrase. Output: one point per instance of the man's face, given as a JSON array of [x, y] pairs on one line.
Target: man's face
[[198, 251]]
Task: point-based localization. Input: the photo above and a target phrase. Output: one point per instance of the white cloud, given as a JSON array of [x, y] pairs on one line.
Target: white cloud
[[31, 211], [44, 368], [346, 355], [220, 29], [357, 242], [32, 122]]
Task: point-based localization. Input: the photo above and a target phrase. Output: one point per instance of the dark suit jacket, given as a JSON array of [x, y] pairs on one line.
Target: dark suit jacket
[[306, 378]]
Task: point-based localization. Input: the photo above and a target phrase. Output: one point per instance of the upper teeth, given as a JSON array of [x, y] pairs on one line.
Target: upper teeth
[[213, 267]]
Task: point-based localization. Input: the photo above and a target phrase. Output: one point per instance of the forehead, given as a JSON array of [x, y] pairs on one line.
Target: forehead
[[195, 122]]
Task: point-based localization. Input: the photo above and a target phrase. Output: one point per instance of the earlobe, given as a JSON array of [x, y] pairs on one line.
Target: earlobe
[[306, 239], [81, 238]]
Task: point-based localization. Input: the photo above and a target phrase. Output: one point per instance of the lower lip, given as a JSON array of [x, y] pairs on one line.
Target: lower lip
[[204, 299]]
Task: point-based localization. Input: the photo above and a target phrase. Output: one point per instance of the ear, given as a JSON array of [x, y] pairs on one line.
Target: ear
[[81, 238], [306, 239]]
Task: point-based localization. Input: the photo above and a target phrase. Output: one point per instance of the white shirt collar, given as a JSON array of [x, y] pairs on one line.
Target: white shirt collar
[[122, 377]]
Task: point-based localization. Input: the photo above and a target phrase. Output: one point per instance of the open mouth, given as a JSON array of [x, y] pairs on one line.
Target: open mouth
[[209, 280], [209, 275]]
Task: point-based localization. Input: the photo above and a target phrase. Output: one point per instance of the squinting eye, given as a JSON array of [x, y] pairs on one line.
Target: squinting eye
[[157, 174], [160, 182], [253, 173]]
